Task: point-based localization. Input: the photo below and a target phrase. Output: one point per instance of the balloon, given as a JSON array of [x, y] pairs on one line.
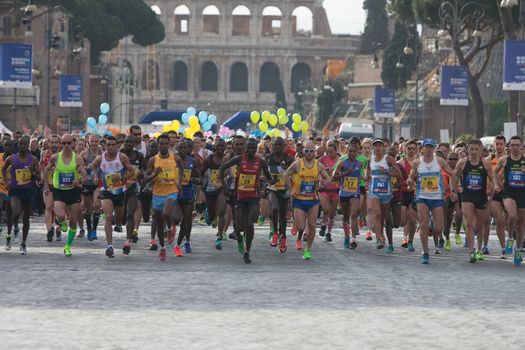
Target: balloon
[[175, 125], [203, 116], [156, 135], [296, 117], [224, 136], [273, 120], [104, 108], [92, 122], [281, 112], [255, 116], [102, 119], [296, 127], [166, 128], [265, 115], [206, 126], [283, 120], [304, 126], [196, 127], [276, 133], [263, 126], [193, 121], [188, 133], [185, 118], [191, 111], [212, 119]]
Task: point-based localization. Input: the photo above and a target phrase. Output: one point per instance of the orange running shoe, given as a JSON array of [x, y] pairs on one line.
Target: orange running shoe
[[177, 251], [282, 247], [369, 236], [298, 244], [162, 254], [275, 238], [404, 243]]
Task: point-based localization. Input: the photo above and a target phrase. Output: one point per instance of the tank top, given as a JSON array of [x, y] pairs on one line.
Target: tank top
[[430, 181], [349, 184], [277, 170], [212, 181], [21, 176], [380, 184], [329, 164], [136, 164], [474, 178], [66, 175], [45, 161], [3, 188], [166, 183], [248, 174], [112, 175], [364, 161], [187, 190], [514, 177], [305, 182]]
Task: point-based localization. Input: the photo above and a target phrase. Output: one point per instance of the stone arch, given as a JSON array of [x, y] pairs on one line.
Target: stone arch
[[150, 75], [181, 16], [209, 77], [156, 9], [241, 16], [239, 77], [301, 75], [302, 21], [272, 18], [179, 79], [211, 19], [269, 76]]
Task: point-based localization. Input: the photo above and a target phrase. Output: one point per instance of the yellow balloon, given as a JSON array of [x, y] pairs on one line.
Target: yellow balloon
[[304, 126], [265, 116], [166, 128], [296, 127], [283, 120], [263, 126], [276, 133], [175, 125], [296, 117], [273, 120], [156, 135], [194, 120], [255, 116], [188, 133], [281, 112], [196, 128]]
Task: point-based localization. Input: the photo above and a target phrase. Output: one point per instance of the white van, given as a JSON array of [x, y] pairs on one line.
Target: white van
[[356, 127]]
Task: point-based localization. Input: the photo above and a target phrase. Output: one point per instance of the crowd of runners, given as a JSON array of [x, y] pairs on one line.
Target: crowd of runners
[[174, 182]]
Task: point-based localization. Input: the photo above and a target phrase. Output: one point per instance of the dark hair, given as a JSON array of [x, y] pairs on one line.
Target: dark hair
[[475, 142], [516, 137], [411, 142], [134, 126], [500, 137], [111, 138], [198, 134], [355, 140], [444, 144]]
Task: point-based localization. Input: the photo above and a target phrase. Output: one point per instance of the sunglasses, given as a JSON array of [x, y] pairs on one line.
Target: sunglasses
[[66, 143], [309, 150], [453, 159], [411, 148]]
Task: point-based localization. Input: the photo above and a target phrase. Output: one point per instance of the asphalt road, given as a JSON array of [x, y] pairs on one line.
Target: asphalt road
[[362, 299]]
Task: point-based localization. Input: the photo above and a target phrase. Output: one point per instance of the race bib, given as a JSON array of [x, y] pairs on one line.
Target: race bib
[[429, 184], [186, 177], [380, 185], [280, 184], [350, 184], [113, 181], [215, 179], [135, 173], [516, 179], [167, 176], [23, 176], [393, 182], [246, 183], [308, 188], [66, 180], [473, 182]]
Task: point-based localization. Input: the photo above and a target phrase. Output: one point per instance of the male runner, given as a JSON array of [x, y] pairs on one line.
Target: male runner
[[407, 193], [54, 147], [329, 195], [90, 191]]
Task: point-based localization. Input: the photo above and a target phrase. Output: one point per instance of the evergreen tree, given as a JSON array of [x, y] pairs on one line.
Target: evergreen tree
[[393, 76], [376, 27]]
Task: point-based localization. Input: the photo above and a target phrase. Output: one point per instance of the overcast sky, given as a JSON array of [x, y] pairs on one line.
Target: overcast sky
[[345, 16]]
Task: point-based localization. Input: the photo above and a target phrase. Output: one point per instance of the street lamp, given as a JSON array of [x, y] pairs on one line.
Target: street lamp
[[413, 49], [453, 18]]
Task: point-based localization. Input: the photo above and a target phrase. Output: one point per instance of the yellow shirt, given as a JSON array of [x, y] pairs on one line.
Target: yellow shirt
[[167, 182], [305, 181]]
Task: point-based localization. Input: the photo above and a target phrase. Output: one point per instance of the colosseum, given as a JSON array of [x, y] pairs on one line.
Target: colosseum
[[224, 57]]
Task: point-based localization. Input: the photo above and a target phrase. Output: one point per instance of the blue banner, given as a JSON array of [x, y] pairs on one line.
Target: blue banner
[[454, 86], [384, 103], [16, 65], [514, 65], [70, 91]]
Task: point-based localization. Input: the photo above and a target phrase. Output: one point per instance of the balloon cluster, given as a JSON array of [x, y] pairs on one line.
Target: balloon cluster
[[225, 132], [192, 123], [265, 120], [102, 120]]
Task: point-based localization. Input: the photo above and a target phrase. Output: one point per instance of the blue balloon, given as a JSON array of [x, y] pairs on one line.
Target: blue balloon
[[102, 119], [104, 108], [181, 129], [203, 116], [191, 111], [92, 122], [207, 126], [185, 118], [213, 119], [225, 137]]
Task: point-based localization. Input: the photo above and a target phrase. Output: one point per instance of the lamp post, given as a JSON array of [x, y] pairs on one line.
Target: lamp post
[[453, 18], [413, 48]]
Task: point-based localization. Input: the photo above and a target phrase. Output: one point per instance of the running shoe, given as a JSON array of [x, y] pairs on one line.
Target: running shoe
[[458, 238], [8, 242], [517, 258], [118, 228], [16, 236], [126, 249], [346, 243], [186, 248], [479, 256], [50, 234], [307, 255], [404, 243], [322, 231], [171, 234], [369, 236], [153, 245], [380, 244], [213, 223], [135, 236], [509, 246], [177, 251], [441, 243], [110, 253], [485, 251], [260, 220], [293, 231], [94, 235], [390, 249], [411, 247], [465, 244], [353, 244], [275, 238], [425, 258], [233, 236], [270, 236], [328, 237], [81, 233], [282, 245], [202, 222], [162, 254], [240, 246], [246, 258], [472, 257], [23, 250], [448, 245], [218, 243], [503, 255], [437, 251], [298, 244], [58, 235], [67, 251]]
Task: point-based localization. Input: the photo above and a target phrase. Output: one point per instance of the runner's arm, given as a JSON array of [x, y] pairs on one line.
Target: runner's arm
[[266, 171], [336, 175], [127, 164], [35, 169], [443, 164], [96, 167], [151, 172], [289, 172], [413, 173], [81, 169], [494, 186], [7, 164], [227, 165], [322, 170], [48, 169], [456, 175]]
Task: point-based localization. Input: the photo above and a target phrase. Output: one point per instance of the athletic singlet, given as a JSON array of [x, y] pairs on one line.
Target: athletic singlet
[[430, 181], [65, 175], [90, 158], [380, 184], [349, 184], [514, 177], [3, 188], [112, 175], [187, 191], [212, 181], [329, 163], [167, 182], [305, 182], [136, 164], [408, 168], [364, 161], [277, 170], [45, 161], [21, 177], [474, 179], [248, 174]]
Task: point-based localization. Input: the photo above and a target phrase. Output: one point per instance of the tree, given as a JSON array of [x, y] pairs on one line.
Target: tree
[[105, 22], [473, 52], [331, 92], [376, 26]]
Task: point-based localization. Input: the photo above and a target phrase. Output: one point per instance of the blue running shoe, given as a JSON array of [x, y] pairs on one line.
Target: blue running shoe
[[485, 251], [110, 253], [218, 244], [517, 258], [411, 247], [89, 236], [465, 244], [187, 248], [390, 249], [425, 258], [346, 243], [509, 246]]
